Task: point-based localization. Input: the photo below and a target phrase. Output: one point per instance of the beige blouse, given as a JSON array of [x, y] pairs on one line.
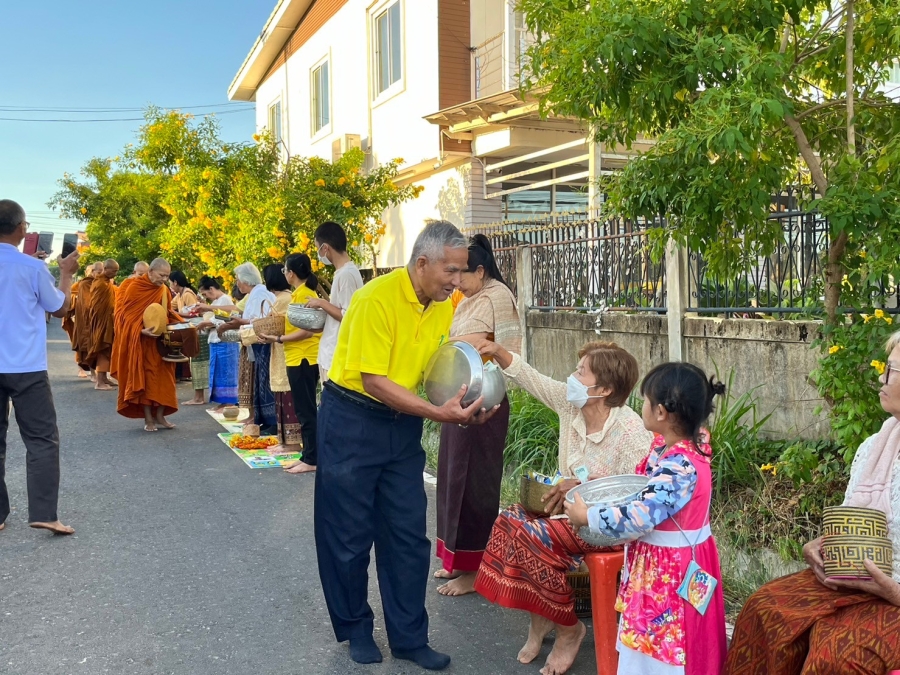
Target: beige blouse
[[278, 379], [615, 449], [186, 298], [491, 310]]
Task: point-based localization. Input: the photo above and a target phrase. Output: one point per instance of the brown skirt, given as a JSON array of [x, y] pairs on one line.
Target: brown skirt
[[470, 469], [245, 379], [288, 425], [796, 626]]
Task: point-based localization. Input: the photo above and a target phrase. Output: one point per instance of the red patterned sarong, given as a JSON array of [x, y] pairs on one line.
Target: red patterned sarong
[[796, 626], [526, 563]]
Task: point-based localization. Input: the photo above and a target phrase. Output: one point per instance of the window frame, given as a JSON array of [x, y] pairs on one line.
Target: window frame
[[376, 12], [277, 135], [325, 129]]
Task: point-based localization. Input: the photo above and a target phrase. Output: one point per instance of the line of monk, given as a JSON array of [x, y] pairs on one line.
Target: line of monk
[[146, 381]]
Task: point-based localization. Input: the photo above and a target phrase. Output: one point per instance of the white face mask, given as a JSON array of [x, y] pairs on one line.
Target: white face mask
[[322, 258], [577, 392]]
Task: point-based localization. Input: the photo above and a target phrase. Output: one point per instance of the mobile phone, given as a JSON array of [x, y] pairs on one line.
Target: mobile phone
[[70, 243], [31, 243], [45, 243]]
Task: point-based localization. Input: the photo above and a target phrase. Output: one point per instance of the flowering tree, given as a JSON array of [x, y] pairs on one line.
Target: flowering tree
[[207, 206]]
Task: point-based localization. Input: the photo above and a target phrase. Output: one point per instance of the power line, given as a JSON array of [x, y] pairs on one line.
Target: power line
[[112, 119], [25, 108]]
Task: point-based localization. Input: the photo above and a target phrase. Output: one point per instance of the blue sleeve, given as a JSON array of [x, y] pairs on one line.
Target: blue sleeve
[[669, 489], [49, 297]]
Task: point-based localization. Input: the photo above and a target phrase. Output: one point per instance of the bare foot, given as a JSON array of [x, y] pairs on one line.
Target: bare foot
[[462, 585], [194, 402], [150, 426], [103, 387], [164, 423], [537, 631], [444, 574], [2, 526], [300, 467], [565, 649], [55, 527], [286, 450], [82, 374]]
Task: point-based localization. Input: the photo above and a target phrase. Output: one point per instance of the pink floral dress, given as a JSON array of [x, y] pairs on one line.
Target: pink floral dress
[[660, 633]]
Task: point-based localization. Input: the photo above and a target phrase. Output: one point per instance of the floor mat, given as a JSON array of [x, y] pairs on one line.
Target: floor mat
[[260, 459]]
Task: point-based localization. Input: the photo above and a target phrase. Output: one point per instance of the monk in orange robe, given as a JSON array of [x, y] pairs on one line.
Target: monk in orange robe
[[103, 306], [146, 382], [83, 320]]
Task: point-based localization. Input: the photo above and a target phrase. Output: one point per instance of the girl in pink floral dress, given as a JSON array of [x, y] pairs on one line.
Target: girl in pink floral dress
[[673, 612]]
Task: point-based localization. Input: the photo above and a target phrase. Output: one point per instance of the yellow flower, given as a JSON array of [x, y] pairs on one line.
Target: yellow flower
[[83, 210], [320, 183], [341, 180], [346, 203], [207, 174], [399, 160], [866, 318], [878, 366], [834, 349], [845, 281], [256, 137], [274, 251], [862, 254], [767, 467], [888, 320], [368, 237], [879, 313]]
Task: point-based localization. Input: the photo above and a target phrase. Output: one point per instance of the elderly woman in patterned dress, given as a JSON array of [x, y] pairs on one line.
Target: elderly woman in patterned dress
[[529, 555], [807, 623]]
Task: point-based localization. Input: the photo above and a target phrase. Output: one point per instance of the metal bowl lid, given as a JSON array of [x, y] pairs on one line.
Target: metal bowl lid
[[450, 367]]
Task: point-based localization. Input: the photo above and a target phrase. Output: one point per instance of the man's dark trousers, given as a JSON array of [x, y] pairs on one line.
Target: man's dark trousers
[[33, 402], [369, 489]]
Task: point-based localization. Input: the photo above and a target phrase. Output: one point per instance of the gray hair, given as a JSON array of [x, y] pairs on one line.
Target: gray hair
[[437, 235], [892, 342], [160, 264], [248, 273], [11, 216]]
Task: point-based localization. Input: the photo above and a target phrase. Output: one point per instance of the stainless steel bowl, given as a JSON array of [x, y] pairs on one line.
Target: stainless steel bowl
[[307, 318], [607, 491], [457, 363]]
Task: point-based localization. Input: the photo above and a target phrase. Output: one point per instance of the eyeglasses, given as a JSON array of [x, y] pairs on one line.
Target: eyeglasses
[[887, 373], [285, 271], [26, 224]]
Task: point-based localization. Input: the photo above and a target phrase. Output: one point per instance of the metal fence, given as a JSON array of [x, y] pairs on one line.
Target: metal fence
[[583, 263]]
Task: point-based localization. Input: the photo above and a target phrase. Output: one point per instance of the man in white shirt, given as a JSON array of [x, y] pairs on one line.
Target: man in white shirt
[[28, 293], [331, 247]]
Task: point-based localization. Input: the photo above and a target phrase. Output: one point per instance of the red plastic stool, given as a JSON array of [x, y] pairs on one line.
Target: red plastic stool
[[604, 569]]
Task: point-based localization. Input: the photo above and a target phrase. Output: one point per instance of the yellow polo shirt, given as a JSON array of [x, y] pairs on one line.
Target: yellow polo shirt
[[295, 352], [387, 331]]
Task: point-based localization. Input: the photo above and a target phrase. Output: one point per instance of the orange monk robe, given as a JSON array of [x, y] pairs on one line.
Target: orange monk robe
[[103, 306], [68, 321], [144, 378], [83, 323]]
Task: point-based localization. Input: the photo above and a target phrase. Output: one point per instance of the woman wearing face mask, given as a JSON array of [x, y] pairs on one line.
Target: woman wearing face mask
[[529, 555]]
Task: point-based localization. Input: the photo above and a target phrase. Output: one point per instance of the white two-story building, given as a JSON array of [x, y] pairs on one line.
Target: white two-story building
[[434, 82]]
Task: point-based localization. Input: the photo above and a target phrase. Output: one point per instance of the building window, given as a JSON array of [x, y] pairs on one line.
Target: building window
[[275, 121], [388, 45], [320, 98], [894, 72]]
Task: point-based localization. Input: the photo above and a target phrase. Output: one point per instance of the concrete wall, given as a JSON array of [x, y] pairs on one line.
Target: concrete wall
[[773, 355]]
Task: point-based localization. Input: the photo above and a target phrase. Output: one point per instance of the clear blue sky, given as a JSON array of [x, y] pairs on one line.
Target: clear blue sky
[[109, 54]]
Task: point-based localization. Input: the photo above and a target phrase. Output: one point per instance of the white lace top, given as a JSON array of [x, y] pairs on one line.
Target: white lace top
[[894, 523], [615, 449]]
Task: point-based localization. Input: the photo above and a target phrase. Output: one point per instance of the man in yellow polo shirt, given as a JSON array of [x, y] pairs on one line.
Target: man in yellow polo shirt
[[369, 486]]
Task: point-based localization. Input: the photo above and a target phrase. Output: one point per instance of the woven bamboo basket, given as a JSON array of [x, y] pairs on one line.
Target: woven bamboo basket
[[530, 493], [580, 581], [843, 556], [854, 521], [273, 324]]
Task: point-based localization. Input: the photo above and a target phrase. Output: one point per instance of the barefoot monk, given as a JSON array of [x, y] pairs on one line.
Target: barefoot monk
[[103, 305], [146, 382]]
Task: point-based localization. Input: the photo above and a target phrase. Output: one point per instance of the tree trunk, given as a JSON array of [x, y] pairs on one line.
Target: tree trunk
[[848, 52]]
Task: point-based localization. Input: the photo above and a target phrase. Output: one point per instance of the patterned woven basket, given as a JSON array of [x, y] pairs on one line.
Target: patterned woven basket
[[843, 556], [230, 336], [530, 493], [580, 581], [273, 324], [854, 521]]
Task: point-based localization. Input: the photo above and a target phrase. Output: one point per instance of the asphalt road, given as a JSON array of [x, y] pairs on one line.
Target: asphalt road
[[186, 561]]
